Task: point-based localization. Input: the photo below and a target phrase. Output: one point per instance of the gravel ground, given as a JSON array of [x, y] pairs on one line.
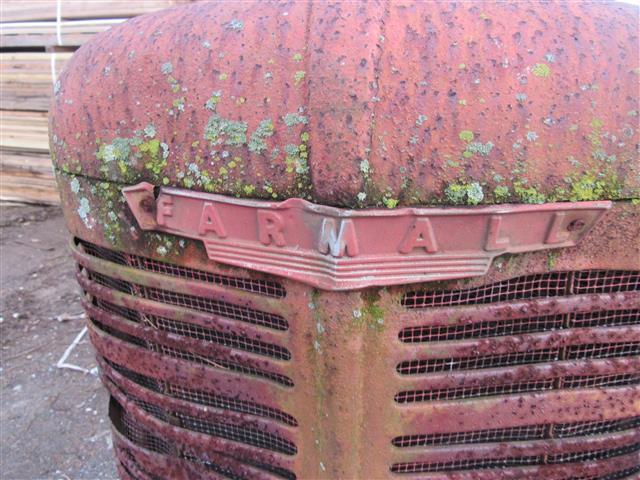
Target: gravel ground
[[53, 421]]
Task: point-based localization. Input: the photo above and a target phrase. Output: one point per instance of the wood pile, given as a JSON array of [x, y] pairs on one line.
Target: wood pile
[[37, 38]]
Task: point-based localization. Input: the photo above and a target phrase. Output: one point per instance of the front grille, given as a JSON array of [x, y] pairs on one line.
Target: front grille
[[507, 350], [214, 369], [225, 335]]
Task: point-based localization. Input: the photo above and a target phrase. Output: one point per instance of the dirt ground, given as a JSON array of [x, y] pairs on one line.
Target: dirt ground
[[53, 421]]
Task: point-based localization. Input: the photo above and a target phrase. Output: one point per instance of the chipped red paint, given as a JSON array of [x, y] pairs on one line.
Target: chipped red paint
[[528, 370], [354, 104]]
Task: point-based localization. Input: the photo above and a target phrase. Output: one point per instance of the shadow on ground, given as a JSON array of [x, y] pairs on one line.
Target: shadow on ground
[[53, 421]]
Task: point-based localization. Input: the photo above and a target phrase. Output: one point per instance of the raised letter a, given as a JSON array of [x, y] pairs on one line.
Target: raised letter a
[[210, 221], [419, 235]]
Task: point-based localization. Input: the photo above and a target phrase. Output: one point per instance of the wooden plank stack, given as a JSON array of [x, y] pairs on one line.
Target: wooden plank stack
[[37, 38]]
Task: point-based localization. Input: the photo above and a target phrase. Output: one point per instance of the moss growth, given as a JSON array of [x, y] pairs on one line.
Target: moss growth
[[541, 70], [213, 101], [371, 315], [483, 149], [501, 194], [293, 119], [298, 77], [390, 202], [466, 135], [220, 130], [464, 193], [594, 186], [528, 194], [257, 142], [118, 149]]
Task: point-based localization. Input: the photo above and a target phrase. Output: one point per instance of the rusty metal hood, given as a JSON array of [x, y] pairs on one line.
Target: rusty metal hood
[[360, 105]]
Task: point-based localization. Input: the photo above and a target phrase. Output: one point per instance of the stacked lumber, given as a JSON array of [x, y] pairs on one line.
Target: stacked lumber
[[27, 78], [37, 38]]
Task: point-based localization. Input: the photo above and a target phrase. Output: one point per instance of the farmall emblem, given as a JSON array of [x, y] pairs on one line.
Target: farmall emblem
[[338, 249]]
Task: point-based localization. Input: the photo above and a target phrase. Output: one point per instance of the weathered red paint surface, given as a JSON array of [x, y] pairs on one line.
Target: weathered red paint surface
[[527, 372], [355, 104]]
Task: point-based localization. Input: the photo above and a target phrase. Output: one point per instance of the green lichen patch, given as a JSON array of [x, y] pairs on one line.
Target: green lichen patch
[[297, 57], [166, 68], [464, 193], [118, 150], [296, 158], [220, 130], [421, 119], [371, 315], [298, 77], [213, 101], [364, 167], [479, 148], [293, 119], [466, 135], [235, 24], [178, 104], [528, 193], [150, 131], [521, 98], [390, 202], [257, 142], [594, 186], [541, 70], [501, 194]]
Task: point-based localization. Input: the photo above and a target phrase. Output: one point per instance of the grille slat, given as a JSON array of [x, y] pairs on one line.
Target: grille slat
[[490, 463], [211, 361], [247, 435], [483, 329], [550, 284], [200, 333], [518, 326], [202, 304], [571, 382], [142, 437], [205, 398], [263, 287], [519, 433]]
